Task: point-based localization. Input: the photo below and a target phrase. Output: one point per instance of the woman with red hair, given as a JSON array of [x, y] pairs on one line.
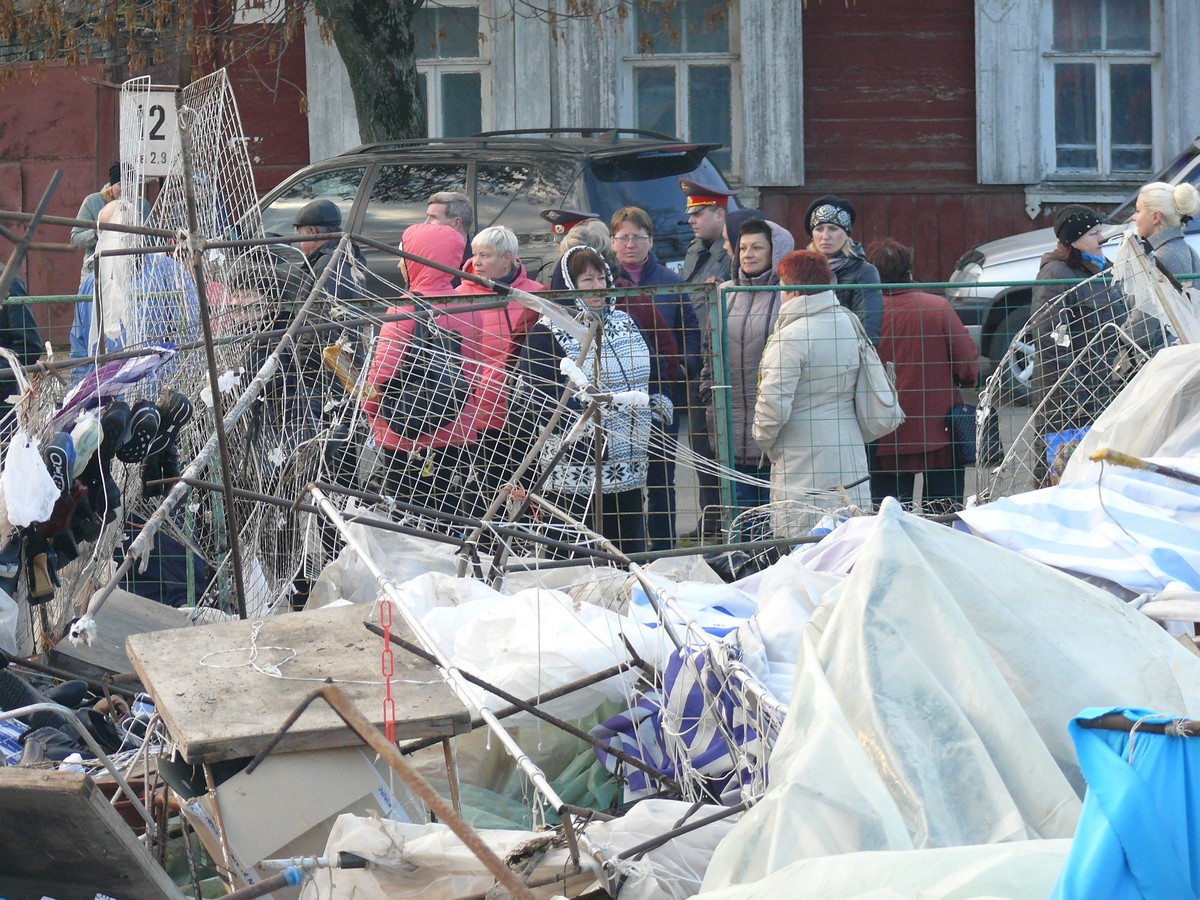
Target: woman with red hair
[[804, 417]]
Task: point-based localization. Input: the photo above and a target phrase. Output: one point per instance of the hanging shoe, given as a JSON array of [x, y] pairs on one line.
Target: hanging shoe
[[162, 461], [65, 546], [60, 460], [86, 525], [174, 411], [43, 570], [63, 513], [142, 429], [86, 437]]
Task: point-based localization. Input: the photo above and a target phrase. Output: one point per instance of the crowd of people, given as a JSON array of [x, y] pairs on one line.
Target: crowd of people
[[781, 408]]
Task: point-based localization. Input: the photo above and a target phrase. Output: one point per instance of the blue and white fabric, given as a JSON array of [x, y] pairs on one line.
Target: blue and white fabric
[[682, 730], [1131, 527]]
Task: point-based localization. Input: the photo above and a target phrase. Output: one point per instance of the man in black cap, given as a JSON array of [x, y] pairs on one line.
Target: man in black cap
[[316, 220], [563, 220]]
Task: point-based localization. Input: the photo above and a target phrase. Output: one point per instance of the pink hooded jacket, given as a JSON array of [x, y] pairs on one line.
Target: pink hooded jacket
[[444, 245], [497, 349]]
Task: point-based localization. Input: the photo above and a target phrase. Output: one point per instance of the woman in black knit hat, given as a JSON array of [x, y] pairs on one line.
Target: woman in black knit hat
[[829, 222], [1074, 331]]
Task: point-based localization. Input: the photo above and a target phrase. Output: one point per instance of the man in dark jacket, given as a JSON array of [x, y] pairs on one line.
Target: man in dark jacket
[[318, 218], [706, 261]]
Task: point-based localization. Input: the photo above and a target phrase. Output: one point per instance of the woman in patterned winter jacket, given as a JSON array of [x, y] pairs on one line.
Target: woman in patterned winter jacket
[[623, 363]]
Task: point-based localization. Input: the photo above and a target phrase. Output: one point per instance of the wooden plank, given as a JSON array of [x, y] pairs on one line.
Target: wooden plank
[[61, 838], [124, 614], [216, 706]]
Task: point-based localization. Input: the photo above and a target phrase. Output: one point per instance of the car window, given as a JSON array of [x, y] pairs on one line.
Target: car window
[[340, 186], [514, 195], [398, 199], [651, 181]]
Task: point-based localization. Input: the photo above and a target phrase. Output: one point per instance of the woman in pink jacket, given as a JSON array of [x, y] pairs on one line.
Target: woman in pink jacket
[[424, 411], [495, 257]]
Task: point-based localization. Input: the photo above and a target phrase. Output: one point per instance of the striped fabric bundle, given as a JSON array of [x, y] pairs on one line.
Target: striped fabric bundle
[[1133, 528], [684, 731]]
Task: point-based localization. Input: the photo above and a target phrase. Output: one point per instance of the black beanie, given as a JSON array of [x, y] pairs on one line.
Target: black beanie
[[114, 172], [832, 210], [1074, 221]]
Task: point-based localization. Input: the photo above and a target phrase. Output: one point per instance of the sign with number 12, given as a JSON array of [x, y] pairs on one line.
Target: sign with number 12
[[158, 132]]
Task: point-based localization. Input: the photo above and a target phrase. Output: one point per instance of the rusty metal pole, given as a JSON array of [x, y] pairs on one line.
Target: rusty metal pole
[[387, 751]]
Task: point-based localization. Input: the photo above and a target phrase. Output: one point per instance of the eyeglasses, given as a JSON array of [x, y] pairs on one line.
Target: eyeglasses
[[626, 239]]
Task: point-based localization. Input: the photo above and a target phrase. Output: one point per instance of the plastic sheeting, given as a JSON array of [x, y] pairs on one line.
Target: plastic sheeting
[[1157, 414], [429, 862], [936, 684], [1017, 870]]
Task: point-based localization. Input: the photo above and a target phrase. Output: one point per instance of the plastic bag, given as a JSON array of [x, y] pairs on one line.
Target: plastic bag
[[29, 491]]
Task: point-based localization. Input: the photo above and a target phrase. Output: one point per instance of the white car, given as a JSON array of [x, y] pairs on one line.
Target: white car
[[991, 300]]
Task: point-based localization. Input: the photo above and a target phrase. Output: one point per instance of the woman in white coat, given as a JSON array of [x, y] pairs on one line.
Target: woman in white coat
[[804, 417]]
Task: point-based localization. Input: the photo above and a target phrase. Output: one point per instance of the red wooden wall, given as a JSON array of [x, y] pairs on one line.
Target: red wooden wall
[[889, 92], [65, 118]]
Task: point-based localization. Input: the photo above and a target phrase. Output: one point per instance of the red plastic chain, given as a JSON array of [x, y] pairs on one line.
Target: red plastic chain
[[388, 667]]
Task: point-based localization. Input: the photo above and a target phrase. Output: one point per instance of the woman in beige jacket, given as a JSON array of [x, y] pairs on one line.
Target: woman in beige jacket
[[804, 417]]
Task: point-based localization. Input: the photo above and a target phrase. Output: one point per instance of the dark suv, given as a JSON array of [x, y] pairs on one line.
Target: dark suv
[[511, 177]]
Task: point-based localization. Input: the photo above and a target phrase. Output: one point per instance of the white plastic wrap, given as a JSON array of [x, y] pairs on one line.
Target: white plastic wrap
[[931, 699], [1157, 414], [429, 862], [1017, 870], [29, 491], [10, 614], [528, 643]]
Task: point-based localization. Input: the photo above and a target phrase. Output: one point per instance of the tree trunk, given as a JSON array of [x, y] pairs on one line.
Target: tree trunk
[[378, 47]]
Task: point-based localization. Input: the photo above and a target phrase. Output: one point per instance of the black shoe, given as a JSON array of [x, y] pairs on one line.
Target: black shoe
[[142, 429], [174, 411], [162, 461], [104, 496], [85, 525], [60, 459], [66, 547], [114, 425]]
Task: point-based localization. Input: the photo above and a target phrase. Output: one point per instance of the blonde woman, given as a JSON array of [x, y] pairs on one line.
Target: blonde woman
[[1162, 211]]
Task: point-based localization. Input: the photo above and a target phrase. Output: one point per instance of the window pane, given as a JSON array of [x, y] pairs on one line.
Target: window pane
[[710, 111], [446, 32], [1128, 24], [655, 95], [1075, 115], [459, 33], [423, 96], [462, 105], [682, 26], [1132, 123], [659, 26], [1076, 24], [515, 195], [707, 26], [398, 199], [340, 187]]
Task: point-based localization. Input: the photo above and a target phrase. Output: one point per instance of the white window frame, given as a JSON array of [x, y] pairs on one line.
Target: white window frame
[[1104, 60], [434, 69], [634, 59]]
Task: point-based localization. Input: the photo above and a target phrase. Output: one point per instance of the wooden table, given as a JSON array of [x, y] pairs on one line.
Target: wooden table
[[216, 706]]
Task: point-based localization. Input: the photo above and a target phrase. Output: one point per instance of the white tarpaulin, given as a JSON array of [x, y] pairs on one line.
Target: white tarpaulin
[[933, 689], [1157, 414]]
